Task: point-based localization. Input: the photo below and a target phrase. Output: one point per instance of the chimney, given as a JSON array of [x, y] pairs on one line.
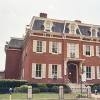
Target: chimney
[[44, 15], [78, 21]]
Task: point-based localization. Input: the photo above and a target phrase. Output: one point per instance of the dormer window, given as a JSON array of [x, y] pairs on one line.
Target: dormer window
[[72, 29], [93, 32], [47, 25], [47, 28]]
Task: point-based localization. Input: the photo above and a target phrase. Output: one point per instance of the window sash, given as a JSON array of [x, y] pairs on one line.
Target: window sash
[[54, 69], [88, 72], [99, 50], [93, 32], [54, 47], [38, 70], [72, 50], [87, 50], [73, 29], [39, 46], [99, 72]]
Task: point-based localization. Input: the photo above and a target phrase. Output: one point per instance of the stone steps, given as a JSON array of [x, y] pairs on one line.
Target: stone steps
[[77, 88]]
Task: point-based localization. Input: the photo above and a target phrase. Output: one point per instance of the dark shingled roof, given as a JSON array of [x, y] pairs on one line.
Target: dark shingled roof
[[16, 42]]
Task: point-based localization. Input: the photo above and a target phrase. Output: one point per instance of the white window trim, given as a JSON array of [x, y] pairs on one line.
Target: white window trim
[[76, 50], [59, 48], [35, 46], [91, 50], [43, 71], [59, 71], [98, 77]]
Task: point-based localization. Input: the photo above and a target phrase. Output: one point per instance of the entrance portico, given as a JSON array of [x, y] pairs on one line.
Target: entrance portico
[[73, 70]]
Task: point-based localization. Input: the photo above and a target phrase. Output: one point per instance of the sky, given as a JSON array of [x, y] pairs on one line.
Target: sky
[[16, 14]]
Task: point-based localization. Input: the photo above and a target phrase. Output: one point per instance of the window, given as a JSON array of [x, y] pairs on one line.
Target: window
[[38, 70], [99, 72], [39, 46], [88, 50], [54, 71], [47, 27], [72, 29], [88, 72], [72, 50], [54, 47], [93, 32], [97, 50]]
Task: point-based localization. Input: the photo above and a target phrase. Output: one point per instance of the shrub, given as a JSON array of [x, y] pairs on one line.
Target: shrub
[[17, 89], [81, 95], [55, 89], [35, 90], [11, 83], [42, 87], [24, 88]]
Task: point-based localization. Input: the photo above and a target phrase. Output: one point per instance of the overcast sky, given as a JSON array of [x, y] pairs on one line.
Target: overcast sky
[[16, 14]]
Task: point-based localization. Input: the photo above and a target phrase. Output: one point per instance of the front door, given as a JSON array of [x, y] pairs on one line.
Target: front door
[[72, 75]]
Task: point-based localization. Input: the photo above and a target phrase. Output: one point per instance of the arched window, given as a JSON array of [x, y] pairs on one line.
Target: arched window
[[47, 27]]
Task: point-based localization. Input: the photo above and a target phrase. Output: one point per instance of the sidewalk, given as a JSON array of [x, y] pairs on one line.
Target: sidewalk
[[95, 96]]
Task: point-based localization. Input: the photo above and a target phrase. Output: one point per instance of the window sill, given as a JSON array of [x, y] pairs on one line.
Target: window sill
[[88, 56], [38, 77], [89, 79], [39, 52]]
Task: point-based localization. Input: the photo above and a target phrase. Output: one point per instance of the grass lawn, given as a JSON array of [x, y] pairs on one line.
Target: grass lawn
[[39, 95]]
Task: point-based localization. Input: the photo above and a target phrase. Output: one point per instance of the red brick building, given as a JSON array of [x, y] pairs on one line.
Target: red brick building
[[2, 75], [55, 51]]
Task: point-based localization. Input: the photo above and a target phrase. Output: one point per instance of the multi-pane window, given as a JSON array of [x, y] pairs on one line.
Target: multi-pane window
[[47, 27], [93, 32], [99, 72], [88, 72], [39, 46], [54, 47], [38, 70], [72, 29], [54, 70], [72, 50], [99, 50], [87, 50]]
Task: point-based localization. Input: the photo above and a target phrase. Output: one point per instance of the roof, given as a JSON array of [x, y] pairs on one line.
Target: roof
[[16, 42], [64, 26]]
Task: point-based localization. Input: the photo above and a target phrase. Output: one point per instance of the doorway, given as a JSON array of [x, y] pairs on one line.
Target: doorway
[[72, 73]]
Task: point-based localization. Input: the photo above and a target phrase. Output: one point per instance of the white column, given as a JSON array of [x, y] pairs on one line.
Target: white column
[[65, 67]]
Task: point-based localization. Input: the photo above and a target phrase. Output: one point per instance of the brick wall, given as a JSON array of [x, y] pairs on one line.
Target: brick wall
[[12, 68]]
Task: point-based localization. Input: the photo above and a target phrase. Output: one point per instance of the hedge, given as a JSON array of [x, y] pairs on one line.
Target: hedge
[[43, 87], [12, 83], [6, 84], [22, 85]]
